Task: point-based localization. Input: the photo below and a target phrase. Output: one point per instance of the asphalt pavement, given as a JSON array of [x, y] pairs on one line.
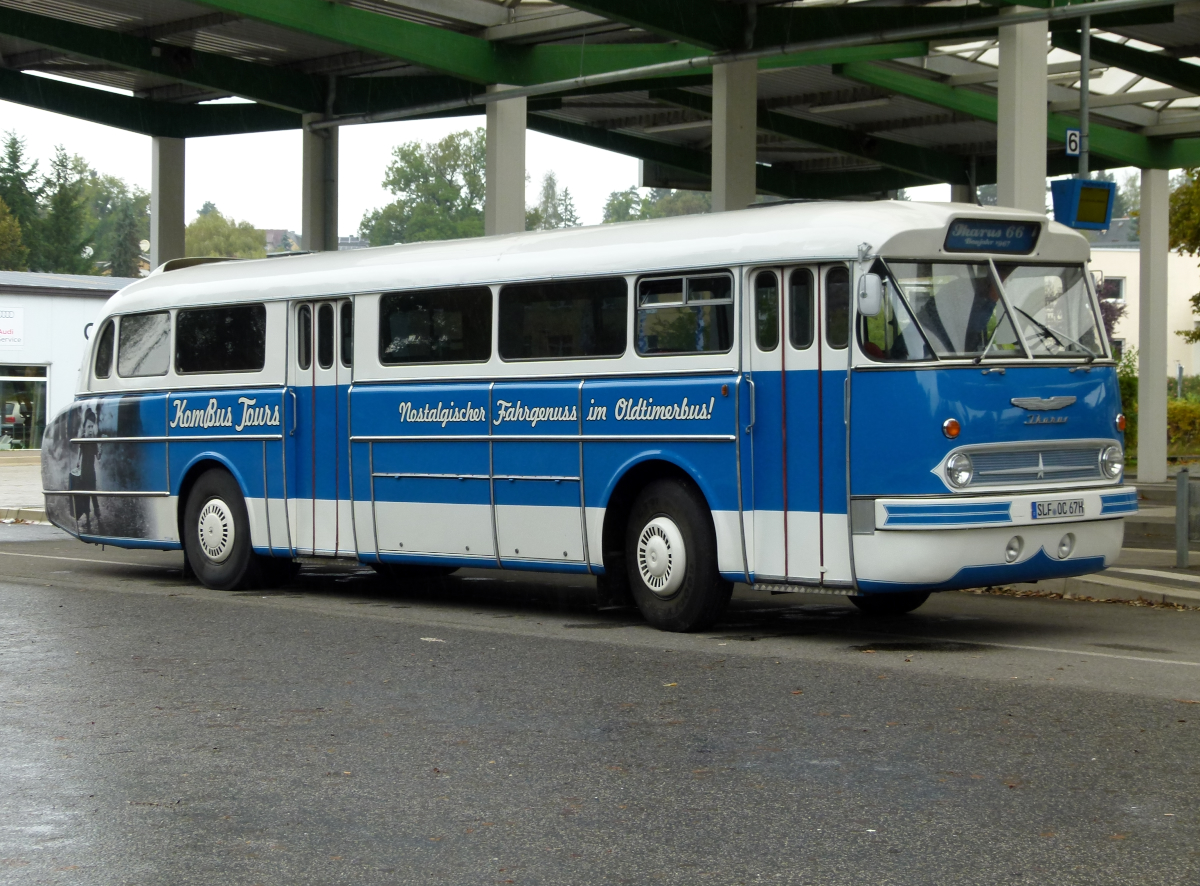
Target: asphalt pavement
[[498, 728]]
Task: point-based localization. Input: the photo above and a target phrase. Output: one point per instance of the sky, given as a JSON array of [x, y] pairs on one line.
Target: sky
[[256, 178]]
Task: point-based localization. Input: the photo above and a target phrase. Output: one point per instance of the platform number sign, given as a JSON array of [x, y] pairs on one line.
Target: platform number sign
[[1074, 140]]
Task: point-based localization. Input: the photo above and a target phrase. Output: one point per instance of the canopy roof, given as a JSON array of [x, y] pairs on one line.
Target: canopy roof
[[872, 114]]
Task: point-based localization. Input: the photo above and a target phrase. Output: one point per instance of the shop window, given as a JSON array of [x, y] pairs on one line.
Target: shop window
[[22, 407]]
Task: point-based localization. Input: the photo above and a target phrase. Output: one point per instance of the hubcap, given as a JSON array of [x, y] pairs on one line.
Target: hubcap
[[216, 530], [661, 556]]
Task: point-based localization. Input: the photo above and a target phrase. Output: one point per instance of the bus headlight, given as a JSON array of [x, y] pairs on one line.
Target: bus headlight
[[959, 469], [1112, 461]]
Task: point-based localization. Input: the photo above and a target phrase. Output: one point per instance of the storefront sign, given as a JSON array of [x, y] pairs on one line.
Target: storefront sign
[[12, 327]]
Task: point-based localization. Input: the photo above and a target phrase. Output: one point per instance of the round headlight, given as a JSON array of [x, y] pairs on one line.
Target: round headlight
[[959, 469], [1112, 461]]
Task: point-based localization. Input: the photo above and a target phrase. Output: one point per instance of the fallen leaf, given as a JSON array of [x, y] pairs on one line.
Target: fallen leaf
[[1187, 701], [1118, 836], [797, 692], [670, 684], [432, 640]]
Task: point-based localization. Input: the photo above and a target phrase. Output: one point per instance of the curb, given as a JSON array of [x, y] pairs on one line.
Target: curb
[[24, 515], [1109, 587]]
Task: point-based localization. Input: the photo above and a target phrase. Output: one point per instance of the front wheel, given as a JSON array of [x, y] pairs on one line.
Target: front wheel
[[671, 556], [890, 604], [216, 533]]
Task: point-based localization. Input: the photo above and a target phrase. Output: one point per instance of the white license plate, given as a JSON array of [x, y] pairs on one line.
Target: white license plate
[[1063, 507]]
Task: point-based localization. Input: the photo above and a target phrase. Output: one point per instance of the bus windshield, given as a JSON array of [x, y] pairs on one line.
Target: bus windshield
[[977, 310]]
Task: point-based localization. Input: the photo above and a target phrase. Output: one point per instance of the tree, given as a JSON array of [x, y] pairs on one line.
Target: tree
[[110, 202], [20, 188], [439, 188], [13, 254], [125, 251], [554, 210], [629, 205], [212, 234], [1184, 229], [63, 235]]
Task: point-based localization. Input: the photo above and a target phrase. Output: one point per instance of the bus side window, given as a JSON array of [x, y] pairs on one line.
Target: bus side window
[[800, 309], [837, 307], [436, 326], [766, 310], [104, 351], [690, 315], [564, 318], [347, 322], [325, 336], [304, 337], [144, 347]]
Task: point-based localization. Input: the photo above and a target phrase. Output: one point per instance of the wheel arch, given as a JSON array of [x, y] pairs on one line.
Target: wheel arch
[[202, 462]]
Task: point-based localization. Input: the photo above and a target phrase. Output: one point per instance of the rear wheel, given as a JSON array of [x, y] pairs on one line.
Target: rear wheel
[[216, 534], [671, 557], [890, 604]]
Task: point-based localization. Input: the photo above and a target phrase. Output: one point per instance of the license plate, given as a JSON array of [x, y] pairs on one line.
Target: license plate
[[1063, 507]]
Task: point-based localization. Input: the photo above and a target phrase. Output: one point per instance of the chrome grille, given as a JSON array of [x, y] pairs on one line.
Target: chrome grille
[[1035, 465]]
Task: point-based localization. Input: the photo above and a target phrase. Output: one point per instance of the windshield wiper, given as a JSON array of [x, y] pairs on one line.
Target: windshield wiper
[[1057, 336]]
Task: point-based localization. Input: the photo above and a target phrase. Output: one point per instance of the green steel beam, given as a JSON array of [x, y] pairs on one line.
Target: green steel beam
[[1155, 66], [936, 166], [1129, 148], [263, 83], [138, 114], [771, 180]]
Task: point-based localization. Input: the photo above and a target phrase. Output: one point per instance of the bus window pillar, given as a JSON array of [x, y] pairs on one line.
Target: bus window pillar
[[504, 207], [1021, 117], [166, 199], [1152, 327], [735, 135], [319, 188]]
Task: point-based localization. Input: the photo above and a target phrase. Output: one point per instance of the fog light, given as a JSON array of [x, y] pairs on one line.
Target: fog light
[[1013, 549], [1112, 460], [959, 469], [1121, 421], [1066, 546], [951, 428]]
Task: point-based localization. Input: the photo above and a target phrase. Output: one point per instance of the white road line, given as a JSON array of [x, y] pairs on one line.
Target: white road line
[[86, 560], [1083, 652]]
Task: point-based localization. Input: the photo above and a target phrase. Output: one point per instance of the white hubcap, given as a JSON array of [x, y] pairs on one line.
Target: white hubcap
[[216, 530], [661, 557]]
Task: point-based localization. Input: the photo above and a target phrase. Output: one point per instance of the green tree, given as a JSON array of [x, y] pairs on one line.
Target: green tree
[[439, 188], [111, 202], [62, 246], [213, 234], [1184, 229], [13, 254], [20, 188], [554, 210], [630, 204], [124, 250]]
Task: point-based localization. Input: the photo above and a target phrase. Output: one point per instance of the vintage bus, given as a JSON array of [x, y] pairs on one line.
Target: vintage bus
[[872, 399]]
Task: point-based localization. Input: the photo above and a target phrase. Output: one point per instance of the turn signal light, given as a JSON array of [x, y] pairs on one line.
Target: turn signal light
[[1120, 421], [951, 428]]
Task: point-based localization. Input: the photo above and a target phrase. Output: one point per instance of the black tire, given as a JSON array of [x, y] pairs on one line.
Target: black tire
[[224, 558], [890, 604], [670, 517]]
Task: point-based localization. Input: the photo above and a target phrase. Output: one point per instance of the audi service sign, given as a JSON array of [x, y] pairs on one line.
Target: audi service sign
[[12, 327]]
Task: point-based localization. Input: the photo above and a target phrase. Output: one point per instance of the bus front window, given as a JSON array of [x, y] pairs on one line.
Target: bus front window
[[1053, 308]]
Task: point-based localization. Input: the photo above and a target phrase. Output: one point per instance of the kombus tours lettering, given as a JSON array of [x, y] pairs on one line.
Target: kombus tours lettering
[[216, 416]]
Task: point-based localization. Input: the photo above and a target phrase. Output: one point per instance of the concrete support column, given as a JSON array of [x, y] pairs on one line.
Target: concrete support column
[[504, 208], [1152, 327], [166, 199], [735, 135], [319, 188], [962, 194], [1021, 111]]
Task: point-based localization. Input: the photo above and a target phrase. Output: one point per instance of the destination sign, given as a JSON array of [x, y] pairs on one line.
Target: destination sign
[[992, 235]]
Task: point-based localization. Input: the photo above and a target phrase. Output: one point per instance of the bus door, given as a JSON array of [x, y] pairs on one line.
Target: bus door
[[797, 361], [319, 376]]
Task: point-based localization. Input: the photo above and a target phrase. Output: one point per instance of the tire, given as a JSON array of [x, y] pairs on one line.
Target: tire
[[671, 557], [890, 604], [216, 534]]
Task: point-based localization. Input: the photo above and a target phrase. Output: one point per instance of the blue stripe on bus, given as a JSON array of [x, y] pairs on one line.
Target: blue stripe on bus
[[122, 542], [1039, 566], [1122, 503], [958, 513], [546, 493]]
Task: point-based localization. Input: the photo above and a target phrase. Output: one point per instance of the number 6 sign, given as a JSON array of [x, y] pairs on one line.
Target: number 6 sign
[[1074, 138]]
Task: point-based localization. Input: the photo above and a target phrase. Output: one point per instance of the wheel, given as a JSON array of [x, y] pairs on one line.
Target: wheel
[[671, 557], [216, 534], [890, 604]]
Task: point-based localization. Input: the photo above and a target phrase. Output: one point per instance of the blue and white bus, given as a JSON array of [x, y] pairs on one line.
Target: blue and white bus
[[873, 399]]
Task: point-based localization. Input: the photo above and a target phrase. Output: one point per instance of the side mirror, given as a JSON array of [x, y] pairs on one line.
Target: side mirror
[[870, 295]]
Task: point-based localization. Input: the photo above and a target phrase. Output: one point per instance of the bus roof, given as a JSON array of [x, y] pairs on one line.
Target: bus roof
[[787, 232]]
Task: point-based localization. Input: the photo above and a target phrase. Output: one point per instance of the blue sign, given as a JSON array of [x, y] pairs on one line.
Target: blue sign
[[1083, 203], [992, 235]]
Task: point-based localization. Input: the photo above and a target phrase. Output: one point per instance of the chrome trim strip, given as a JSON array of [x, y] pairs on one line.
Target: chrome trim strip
[[97, 492], [547, 438], [587, 559], [399, 475], [188, 439]]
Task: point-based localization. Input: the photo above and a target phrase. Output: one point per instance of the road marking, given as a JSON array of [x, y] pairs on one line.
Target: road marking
[[86, 560], [1170, 661]]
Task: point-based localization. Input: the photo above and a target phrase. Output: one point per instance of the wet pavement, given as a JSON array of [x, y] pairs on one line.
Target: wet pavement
[[497, 728]]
